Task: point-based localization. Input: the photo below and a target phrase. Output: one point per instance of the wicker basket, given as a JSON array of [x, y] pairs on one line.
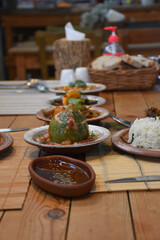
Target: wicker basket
[[128, 79]]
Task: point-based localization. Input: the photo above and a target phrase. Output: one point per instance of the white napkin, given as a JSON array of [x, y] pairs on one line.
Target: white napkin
[[72, 34], [114, 16]]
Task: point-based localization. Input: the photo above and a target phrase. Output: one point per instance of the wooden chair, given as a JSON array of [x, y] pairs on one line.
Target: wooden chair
[[145, 41], [45, 41]]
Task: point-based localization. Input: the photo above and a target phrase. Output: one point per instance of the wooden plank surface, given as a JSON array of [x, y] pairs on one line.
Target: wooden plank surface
[[96, 216], [129, 105], [43, 216], [1, 214], [152, 98], [146, 214], [103, 216], [14, 176], [6, 121], [146, 205]]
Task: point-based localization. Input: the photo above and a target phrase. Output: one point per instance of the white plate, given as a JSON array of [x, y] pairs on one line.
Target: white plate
[[104, 113], [100, 132], [100, 100], [119, 143], [99, 88]]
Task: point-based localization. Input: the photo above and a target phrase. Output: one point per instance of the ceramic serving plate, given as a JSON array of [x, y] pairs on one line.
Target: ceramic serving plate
[[119, 143], [104, 113], [98, 88], [101, 134], [99, 100], [6, 141], [61, 175]]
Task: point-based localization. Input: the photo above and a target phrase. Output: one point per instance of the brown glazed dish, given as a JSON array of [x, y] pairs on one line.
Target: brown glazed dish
[[6, 142], [119, 143], [61, 175]]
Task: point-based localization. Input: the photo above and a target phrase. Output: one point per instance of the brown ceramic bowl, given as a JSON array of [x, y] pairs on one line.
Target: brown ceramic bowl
[[6, 142], [119, 143], [101, 133], [104, 113], [61, 189], [99, 100], [98, 88]]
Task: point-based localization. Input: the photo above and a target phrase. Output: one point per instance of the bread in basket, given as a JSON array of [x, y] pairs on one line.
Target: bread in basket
[[124, 73]]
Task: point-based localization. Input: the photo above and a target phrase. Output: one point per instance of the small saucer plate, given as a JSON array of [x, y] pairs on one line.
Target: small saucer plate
[[98, 87], [47, 183], [101, 135], [6, 142], [104, 113], [99, 100], [119, 143]]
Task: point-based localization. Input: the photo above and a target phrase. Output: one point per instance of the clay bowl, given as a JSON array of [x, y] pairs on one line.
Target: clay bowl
[[119, 143], [86, 175], [101, 133], [104, 113], [6, 142]]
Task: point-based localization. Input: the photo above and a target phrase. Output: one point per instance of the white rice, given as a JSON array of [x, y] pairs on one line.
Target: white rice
[[145, 132]]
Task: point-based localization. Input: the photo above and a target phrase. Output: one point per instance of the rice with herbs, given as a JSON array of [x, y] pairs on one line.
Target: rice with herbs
[[145, 133]]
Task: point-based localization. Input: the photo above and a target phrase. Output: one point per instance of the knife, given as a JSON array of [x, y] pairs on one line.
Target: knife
[[12, 129], [151, 178]]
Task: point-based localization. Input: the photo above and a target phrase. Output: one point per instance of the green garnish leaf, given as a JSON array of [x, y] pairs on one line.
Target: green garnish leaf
[[72, 85], [76, 101], [80, 84]]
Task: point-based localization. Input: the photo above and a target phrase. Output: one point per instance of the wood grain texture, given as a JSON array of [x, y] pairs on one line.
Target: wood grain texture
[[27, 121], [78, 52], [1, 214], [152, 99], [14, 175], [6, 121], [96, 216], [129, 105], [103, 216], [43, 217], [145, 207]]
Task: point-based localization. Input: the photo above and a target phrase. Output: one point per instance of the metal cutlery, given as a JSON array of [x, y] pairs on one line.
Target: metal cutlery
[[122, 121], [31, 84], [151, 178], [13, 129]]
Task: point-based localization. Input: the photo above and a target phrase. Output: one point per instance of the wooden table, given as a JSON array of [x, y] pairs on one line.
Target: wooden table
[[117, 215]]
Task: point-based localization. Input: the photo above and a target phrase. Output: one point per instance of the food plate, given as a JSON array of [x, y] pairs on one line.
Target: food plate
[[103, 114], [56, 173], [119, 143], [98, 100], [101, 133], [6, 141], [98, 88]]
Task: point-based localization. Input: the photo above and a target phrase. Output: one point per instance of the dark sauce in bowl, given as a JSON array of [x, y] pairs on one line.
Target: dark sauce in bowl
[[61, 172]]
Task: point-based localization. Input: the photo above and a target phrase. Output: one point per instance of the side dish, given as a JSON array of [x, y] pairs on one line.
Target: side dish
[[67, 127], [78, 85], [88, 112], [145, 133], [73, 96]]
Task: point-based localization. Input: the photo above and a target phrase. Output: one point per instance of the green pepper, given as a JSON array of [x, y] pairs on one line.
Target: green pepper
[[68, 125], [80, 84]]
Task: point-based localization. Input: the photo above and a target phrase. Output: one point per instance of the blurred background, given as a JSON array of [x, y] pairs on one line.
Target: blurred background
[[21, 46]]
